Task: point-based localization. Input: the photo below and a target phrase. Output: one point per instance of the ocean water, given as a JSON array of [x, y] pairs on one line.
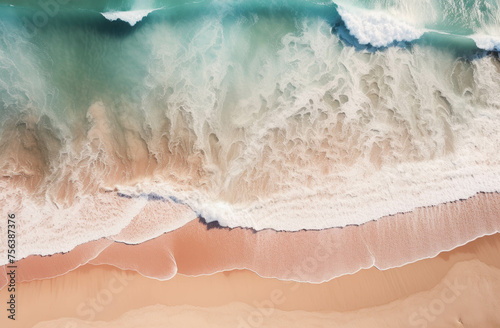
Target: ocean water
[[266, 114]]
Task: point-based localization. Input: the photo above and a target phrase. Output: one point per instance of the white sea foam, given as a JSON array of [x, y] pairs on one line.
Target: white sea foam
[[132, 17], [487, 42], [377, 28]]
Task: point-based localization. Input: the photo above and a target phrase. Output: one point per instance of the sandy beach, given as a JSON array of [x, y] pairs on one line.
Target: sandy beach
[[437, 292], [306, 256], [178, 275], [285, 163]]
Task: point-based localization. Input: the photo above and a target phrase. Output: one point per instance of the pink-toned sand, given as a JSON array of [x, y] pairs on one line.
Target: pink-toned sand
[[313, 256], [460, 288]]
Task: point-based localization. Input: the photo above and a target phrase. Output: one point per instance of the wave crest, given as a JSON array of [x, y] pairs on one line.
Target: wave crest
[[132, 17], [376, 28]]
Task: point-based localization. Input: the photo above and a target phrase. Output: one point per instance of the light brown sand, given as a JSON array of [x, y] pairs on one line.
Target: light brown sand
[[458, 286]]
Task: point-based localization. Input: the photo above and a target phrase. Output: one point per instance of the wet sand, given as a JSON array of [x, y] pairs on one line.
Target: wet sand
[[455, 289], [309, 256]]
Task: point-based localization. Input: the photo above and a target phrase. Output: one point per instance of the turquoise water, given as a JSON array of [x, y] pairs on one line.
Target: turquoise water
[[83, 56]]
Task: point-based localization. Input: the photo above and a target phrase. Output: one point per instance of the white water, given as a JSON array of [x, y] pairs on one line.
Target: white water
[[132, 17], [377, 28]]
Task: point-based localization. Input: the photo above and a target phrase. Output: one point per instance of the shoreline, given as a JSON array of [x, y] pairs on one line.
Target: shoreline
[[195, 250], [369, 291]]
